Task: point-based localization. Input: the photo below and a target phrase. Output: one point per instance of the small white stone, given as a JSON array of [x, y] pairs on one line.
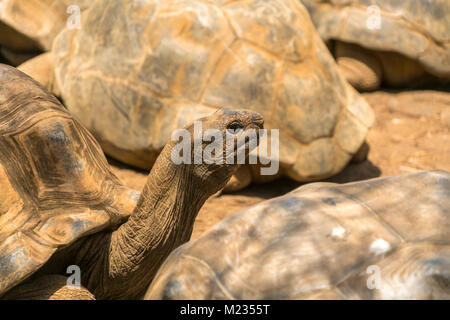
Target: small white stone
[[338, 233], [379, 246]]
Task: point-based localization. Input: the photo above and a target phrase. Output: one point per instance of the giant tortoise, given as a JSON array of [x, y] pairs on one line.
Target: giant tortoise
[[397, 43], [384, 238], [61, 207], [138, 69]]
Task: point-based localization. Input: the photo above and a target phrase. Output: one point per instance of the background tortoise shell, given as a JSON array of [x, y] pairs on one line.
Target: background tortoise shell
[[318, 241], [417, 29], [185, 59]]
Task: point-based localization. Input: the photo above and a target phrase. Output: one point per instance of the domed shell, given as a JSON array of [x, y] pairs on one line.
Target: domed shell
[[185, 59], [324, 241], [417, 29], [55, 183]]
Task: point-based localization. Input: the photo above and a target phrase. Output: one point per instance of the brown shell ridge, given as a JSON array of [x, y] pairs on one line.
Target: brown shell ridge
[[211, 271], [34, 120], [228, 20], [138, 86], [355, 199], [17, 265], [227, 48]]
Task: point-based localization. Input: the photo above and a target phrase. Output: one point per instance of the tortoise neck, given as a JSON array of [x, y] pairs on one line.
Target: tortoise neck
[[169, 202], [162, 220]]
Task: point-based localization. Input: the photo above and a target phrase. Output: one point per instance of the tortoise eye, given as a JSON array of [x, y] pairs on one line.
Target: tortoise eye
[[235, 127]]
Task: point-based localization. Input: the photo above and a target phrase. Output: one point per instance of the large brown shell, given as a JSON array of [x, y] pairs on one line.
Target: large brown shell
[[137, 70], [324, 241], [417, 29], [55, 182]]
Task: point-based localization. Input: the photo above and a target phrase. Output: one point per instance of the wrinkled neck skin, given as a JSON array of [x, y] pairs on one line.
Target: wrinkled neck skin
[[123, 265]]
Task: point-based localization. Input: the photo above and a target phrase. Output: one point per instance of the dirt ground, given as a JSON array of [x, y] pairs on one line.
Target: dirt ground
[[411, 132]]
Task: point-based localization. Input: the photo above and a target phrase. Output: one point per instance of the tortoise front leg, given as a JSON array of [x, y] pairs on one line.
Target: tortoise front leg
[[48, 287]]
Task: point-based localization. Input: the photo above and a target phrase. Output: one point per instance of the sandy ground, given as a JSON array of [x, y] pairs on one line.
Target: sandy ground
[[411, 132]]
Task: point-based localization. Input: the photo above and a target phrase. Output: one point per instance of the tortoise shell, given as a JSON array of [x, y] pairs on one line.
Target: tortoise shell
[[384, 238], [185, 58], [55, 182], [416, 29]]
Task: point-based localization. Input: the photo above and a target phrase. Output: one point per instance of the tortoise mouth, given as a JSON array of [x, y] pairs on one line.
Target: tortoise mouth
[[257, 125]]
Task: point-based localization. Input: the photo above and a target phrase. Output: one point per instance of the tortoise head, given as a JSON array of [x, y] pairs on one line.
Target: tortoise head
[[213, 147]]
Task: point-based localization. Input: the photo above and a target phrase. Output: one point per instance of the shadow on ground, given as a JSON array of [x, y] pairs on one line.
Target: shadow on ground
[[353, 172]]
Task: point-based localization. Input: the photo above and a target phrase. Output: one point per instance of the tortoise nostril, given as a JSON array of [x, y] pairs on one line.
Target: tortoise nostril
[[258, 119]]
